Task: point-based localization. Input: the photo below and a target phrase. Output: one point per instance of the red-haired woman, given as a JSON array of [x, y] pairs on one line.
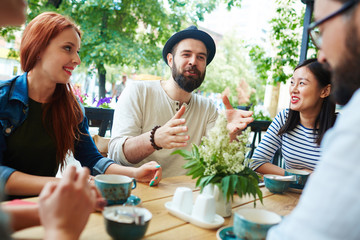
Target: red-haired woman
[[40, 118]]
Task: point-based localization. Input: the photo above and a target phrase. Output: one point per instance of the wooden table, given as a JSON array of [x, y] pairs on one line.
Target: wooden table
[[165, 226]]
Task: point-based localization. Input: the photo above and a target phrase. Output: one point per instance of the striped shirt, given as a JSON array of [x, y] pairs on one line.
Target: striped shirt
[[298, 147]]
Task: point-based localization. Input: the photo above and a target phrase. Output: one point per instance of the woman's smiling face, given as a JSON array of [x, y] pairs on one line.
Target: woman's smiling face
[[60, 57], [305, 92]]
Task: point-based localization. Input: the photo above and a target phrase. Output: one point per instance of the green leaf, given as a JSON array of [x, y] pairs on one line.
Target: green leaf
[[190, 164], [195, 151], [259, 193], [203, 180], [198, 182], [243, 184], [211, 179], [184, 153], [225, 185]]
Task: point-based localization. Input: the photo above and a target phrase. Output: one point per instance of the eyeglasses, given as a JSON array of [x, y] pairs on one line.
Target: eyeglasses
[[314, 30]]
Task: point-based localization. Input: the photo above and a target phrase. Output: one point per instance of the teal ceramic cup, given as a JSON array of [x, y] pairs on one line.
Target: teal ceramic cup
[[252, 223], [115, 188], [276, 184], [301, 177]]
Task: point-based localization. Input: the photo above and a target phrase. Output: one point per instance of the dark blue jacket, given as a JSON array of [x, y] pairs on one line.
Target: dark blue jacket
[[14, 108]]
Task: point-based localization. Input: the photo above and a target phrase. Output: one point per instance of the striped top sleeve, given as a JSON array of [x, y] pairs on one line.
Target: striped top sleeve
[[298, 147]]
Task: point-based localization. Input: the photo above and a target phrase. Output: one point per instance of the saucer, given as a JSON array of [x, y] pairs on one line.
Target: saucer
[[217, 222], [133, 200], [221, 234]]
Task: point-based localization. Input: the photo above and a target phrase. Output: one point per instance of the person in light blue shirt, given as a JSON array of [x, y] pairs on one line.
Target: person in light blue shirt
[[329, 208], [299, 130]]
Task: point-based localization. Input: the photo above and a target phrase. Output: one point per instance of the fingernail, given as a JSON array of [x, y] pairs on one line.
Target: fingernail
[[156, 178], [158, 166], [152, 183]]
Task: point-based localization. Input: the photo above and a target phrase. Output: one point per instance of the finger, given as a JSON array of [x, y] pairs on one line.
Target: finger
[[176, 122], [155, 180], [91, 180], [236, 128], [245, 114], [83, 177], [177, 145], [157, 176], [69, 175], [98, 193], [47, 190], [100, 201], [180, 138], [177, 130], [93, 199], [154, 163], [247, 120], [100, 204], [179, 113], [226, 102]]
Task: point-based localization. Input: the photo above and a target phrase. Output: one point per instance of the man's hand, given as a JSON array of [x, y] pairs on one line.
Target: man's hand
[[168, 136], [237, 119]]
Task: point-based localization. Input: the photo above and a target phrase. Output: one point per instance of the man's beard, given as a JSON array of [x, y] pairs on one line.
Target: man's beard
[[346, 76], [189, 83]]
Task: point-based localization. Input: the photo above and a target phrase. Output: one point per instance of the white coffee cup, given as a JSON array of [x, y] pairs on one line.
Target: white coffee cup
[[183, 200], [204, 208]]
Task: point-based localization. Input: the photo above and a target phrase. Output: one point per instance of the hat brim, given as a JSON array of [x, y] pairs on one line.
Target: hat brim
[[194, 34]]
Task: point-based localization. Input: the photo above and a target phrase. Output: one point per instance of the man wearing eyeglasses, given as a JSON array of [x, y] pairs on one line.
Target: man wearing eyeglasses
[[329, 206]]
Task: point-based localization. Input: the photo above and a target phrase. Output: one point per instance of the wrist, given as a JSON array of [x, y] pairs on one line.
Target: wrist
[[152, 138], [134, 172]]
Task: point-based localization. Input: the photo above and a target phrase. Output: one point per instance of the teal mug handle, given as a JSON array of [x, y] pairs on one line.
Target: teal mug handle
[[134, 183]]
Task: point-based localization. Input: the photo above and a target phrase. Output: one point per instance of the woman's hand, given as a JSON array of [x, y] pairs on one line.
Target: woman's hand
[[149, 172]]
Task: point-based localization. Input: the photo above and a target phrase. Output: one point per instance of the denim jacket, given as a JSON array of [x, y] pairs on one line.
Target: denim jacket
[[14, 108]]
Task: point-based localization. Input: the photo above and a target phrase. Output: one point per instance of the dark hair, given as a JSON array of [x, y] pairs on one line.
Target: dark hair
[[327, 116]]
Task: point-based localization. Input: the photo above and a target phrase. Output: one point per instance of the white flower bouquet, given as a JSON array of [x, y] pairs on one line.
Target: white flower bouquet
[[223, 163]]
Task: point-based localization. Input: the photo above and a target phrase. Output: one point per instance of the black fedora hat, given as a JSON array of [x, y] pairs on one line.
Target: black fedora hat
[[191, 32]]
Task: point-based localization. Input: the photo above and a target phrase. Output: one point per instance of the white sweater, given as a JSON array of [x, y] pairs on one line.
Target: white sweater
[[143, 105]]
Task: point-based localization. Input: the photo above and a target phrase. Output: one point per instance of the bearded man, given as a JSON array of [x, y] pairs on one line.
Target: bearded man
[[154, 118], [329, 206]]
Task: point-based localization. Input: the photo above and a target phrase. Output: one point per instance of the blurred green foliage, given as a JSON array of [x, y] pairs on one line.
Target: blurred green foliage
[[125, 32], [231, 65], [286, 33]]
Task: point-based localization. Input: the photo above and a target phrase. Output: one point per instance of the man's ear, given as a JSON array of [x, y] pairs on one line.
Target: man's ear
[[170, 59], [325, 92]]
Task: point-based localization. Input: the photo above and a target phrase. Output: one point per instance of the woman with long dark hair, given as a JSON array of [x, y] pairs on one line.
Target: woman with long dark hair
[[298, 131], [41, 120]]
